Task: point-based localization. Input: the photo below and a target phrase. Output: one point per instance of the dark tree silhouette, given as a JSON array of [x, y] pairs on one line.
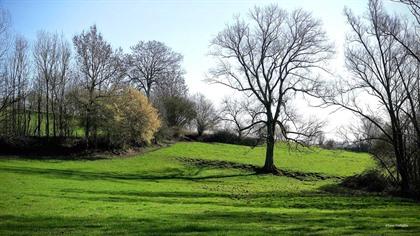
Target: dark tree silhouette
[[271, 56]]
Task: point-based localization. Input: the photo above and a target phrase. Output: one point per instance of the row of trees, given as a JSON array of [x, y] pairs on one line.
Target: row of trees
[[53, 88]]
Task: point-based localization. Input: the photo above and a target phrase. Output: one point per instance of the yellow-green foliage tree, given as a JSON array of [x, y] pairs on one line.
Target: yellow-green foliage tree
[[131, 118]]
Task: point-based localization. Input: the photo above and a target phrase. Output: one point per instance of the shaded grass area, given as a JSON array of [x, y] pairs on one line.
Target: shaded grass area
[[196, 188]]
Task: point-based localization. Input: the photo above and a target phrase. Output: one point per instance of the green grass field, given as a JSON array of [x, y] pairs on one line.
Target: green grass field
[[197, 188]]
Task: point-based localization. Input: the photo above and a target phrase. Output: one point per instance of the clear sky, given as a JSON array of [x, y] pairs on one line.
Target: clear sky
[[186, 26]]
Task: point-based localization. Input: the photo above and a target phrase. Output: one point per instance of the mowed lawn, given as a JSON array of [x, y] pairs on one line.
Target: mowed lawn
[[197, 188]]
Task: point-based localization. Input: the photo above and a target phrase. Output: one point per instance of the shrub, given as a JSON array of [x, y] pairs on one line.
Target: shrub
[[371, 181], [131, 118], [225, 136], [177, 112]]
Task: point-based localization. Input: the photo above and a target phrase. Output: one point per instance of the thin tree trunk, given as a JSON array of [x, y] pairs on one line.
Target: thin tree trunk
[[13, 128], [39, 116], [87, 124], [18, 110], [47, 121], [53, 118], [28, 119], [60, 119]]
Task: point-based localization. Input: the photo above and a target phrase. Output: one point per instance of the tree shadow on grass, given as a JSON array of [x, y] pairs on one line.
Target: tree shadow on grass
[[165, 174], [217, 164], [219, 212], [273, 199]]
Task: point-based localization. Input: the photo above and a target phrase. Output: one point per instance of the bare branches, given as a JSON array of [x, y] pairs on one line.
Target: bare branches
[[6, 92], [243, 114], [383, 88], [272, 57], [4, 32], [151, 63], [206, 115], [414, 6], [102, 70]]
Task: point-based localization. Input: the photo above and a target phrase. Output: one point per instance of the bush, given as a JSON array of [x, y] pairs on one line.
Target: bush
[[177, 111], [131, 118], [41, 146], [224, 136], [371, 181]]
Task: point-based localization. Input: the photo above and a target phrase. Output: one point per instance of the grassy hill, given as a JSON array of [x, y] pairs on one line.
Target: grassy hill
[[193, 188]]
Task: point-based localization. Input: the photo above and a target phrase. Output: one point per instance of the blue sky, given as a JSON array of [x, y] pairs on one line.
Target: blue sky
[[187, 26]]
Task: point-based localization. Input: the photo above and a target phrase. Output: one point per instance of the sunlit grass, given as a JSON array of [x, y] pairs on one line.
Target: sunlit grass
[[159, 193]]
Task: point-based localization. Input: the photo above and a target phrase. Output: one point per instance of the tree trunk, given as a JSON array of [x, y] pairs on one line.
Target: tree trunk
[[60, 120], [269, 166], [87, 125], [39, 116], [400, 154], [88, 116], [405, 183], [47, 121], [200, 131]]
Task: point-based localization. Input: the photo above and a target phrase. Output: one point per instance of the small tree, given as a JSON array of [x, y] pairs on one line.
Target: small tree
[[177, 111], [206, 115]]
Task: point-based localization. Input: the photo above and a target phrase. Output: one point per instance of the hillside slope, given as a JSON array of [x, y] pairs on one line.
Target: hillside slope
[[193, 188]]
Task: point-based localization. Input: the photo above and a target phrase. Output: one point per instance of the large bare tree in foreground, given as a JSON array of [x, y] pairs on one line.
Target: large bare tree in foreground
[[271, 56]]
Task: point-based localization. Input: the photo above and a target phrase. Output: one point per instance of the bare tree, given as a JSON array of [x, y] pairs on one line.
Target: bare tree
[[18, 75], [173, 85], [151, 63], [4, 32], [102, 70], [382, 88], [272, 57], [233, 112], [206, 115], [241, 113], [6, 91], [46, 57], [62, 81]]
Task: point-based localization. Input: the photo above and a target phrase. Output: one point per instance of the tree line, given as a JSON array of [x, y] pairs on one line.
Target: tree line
[[54, 88]]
